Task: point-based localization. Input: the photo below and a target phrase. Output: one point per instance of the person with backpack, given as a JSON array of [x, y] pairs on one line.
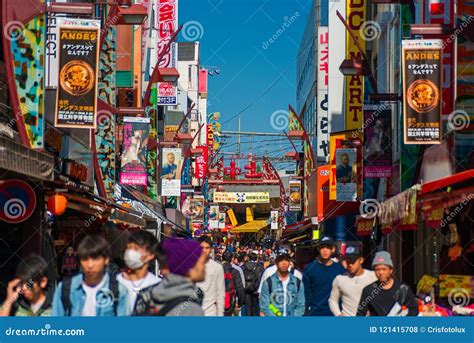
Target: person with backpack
[[140, 252], [213, 285], [28, 294], [234, 288], [92, 292], [182, 265], [253, 272], [272, 269], [282, 293]]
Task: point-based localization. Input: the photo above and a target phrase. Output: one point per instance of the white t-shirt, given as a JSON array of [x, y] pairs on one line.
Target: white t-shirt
[[37, 306], [89, 309], [272, 270], [285, 294], [134, 287]]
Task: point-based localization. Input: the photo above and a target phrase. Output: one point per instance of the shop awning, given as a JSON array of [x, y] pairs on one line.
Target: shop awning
[[251, 227], [446, 182], [297, 228], [18, 158]]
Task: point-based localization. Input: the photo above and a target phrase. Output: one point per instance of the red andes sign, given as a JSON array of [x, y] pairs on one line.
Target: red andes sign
[[17, 201]]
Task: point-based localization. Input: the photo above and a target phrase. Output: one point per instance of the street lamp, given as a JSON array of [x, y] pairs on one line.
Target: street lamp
[[351, 67], [169, 74]]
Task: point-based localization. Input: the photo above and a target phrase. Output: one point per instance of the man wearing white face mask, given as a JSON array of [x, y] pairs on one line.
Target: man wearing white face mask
[[141, 251]]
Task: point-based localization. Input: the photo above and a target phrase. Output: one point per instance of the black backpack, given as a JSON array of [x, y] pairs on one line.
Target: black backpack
[[251, 278], [66, 293]]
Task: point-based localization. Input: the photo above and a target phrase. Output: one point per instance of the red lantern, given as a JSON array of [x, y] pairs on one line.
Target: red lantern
[[57, 204]]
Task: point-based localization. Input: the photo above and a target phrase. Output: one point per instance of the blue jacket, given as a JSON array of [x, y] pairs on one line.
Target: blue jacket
[[294, 297], [104, 299], [317, 279]]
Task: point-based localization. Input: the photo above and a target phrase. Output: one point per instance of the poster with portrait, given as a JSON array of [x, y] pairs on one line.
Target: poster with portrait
[[171, 160], [214, 216], [377, 141], [76, 97], [274, 220], [221, 220], [134, 151], [197, 208], [346, 174], [422, 62], [294, 197]]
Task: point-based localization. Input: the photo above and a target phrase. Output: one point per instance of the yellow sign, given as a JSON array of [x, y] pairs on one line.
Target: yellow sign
[[232, 218], [455, 286], [425, 284], [242, 197], [355, 14], [315, 235]]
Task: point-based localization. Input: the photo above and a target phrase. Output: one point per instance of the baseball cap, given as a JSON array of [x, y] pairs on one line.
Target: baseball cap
[[382, 257], [353, 252], [282, 256], [326, 240]]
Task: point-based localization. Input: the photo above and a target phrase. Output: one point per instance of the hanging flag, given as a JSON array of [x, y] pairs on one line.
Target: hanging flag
[[134, 151]]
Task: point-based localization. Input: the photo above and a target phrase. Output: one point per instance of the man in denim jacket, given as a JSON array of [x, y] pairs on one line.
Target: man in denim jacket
[[282, 293], [92, 292]]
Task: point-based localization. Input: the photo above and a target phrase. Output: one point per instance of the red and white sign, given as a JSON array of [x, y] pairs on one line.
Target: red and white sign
[[167, 24], [443, 12], [322, 95], [200, 168]]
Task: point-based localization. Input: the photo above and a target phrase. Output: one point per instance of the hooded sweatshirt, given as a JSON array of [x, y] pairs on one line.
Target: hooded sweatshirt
[[152, 299]]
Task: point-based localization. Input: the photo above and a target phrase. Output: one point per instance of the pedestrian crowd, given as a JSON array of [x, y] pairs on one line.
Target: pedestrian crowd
[[183, 277]]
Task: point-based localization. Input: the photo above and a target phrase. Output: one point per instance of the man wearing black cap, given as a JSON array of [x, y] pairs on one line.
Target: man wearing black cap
[[347, 288], [318, 277], [282, 293]]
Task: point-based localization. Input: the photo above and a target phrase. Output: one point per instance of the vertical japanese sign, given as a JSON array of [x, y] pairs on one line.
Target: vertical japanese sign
[[76, 98], [355, 14], [377, 141], [274, 215], [346, 174], [295, 195], [322, 96], [171, 160], [200, 168], [214, 217], [210, 137], [323, 190], [442, 12], [422, 80], [167, 23], [134, 151], [51, 48]]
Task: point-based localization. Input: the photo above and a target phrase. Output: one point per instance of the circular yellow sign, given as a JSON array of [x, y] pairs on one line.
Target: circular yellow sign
[[77, 77], [423, 96]]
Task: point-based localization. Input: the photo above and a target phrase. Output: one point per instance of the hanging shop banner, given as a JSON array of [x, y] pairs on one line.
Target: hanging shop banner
[[17, 201], [346, 174], [422, 74], [322, 97], [355, 15], [171, 160], [134, 151], [76, 98], [377, 141], [210, 137], [274, 220], [214, 217], [443, 12], [345, 139], [295, 195], [51, 48], [323, 190], [197, 209], [200, 168], [232, 218], [213, 130], [242, 197], [221, 220], [166, 22]]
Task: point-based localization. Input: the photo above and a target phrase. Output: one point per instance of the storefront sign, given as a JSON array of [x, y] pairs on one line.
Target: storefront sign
[[221, 220], [355, 14], [322, 98], [171, 161], [232, 218], [197, 209], [462, 284], [346, 174], [422, 73], [274, 220], [200, 168], [51, 48], [214, 217], [77, 161], [323, 190], [377, 142], [76, 99], [167, 23], [295, 195], [210, 137], [442, 12], [242, 198], [17, 201], [134, 151]]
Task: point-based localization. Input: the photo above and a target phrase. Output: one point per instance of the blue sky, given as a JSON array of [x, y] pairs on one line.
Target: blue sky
[[233, 36]]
